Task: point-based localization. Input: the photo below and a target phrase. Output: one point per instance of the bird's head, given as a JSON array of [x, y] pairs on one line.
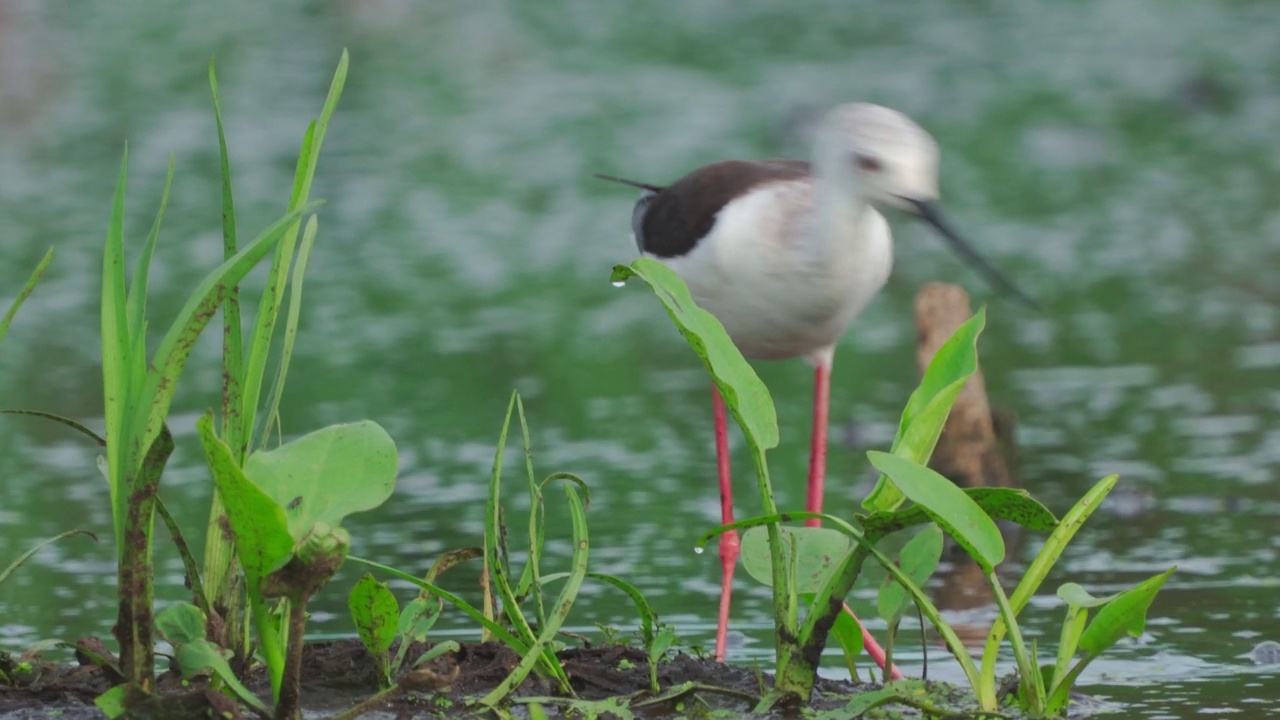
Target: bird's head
[[880, 154], [885, 158]]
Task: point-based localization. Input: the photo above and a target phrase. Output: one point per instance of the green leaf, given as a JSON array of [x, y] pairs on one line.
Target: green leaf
[[918, 558], [926, 412], [181, 624], [948, 505], [25, 293], [1077, 596], [202, 304], [418, 617], [744, 392], [375, 612], [1011, 504], [8, 570], [261, 529], [116, 361], [1127, 613], [111, 702], [328, 474], [203, 656], [817, 551]]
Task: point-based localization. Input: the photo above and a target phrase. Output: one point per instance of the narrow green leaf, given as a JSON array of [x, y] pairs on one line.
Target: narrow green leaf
[[116, 360], [744, 392], [25, 293], [493, 535], [1036, 573], [202, 304], [290, 328], [232, 341], [926, 411], [648, 617], [948, 505], [137, 301], [5, 573], [1126, 614]]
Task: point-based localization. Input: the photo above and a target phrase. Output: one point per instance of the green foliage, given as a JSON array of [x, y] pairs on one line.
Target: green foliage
[[8, 570], [183, 626], [25, 293], [285, 511], [375, 612], [926, 412], [820, 566], [244, 366]]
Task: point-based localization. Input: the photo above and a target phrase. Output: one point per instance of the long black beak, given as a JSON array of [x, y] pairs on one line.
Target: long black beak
[[931, 214]]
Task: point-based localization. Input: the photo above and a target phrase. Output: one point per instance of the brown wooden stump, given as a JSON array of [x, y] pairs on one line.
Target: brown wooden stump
[[971, 451]]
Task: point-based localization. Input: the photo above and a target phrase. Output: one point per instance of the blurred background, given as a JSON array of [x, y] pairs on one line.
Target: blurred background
[[1116, 159]]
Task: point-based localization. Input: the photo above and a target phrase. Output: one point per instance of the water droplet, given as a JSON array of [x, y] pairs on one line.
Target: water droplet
[[619, 283], [697, 550]]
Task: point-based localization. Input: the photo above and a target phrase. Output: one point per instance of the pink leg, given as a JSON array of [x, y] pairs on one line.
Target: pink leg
[[817, 474], [818, 440], [729, 543]]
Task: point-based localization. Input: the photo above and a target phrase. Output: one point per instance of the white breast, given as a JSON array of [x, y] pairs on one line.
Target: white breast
[[784, 276]]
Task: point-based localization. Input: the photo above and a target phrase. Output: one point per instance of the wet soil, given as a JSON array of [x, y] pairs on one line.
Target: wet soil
[[339, 675]]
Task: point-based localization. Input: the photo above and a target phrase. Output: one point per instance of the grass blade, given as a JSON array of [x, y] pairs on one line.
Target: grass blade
[[290, 329], [203, 302], [116, 360], [25, 293], [5, 573]]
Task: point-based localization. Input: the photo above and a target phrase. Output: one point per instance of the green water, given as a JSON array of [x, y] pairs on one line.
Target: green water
[[1116, 158]]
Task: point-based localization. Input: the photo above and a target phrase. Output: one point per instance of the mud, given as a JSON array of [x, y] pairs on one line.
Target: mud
[[339, 675]]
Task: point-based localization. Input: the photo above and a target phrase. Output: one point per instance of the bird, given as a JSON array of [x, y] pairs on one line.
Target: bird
[[787, 253]]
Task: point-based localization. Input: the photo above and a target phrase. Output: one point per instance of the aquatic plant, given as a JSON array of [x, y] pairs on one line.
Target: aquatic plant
[[817, 567]]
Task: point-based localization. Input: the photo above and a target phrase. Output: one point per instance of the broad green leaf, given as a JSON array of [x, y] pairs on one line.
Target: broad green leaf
[[926, 412], [1127, 613], [181, 624], [25, 292], [376, 614], [1011, 504], [111, 702], [918, 558], [817, 550], [744, 392], [848, 634], [328, 474], [203, 656], [948, 505], [261, 529]]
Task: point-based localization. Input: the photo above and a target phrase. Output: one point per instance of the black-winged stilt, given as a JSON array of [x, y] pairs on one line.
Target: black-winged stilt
[[787, 253]]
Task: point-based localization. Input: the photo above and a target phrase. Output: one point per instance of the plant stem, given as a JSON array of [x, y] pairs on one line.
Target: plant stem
[[288, 707], [1032, 682]]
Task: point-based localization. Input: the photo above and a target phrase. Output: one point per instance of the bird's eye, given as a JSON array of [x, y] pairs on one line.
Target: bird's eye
[[866, 163]]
